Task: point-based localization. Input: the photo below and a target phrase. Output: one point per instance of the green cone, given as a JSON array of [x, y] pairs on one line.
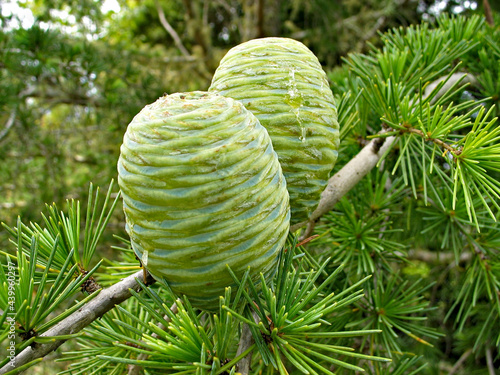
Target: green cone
[[283, 84], [202, 188]]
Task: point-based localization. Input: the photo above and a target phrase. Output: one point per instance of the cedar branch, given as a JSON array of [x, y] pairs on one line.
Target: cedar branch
[[341, 183], [437, 141], [460, 361], [9, 124], [171, 30], [489, 362], [94, 309], [345, 179], [246, 341], [488, 13], [359, 166]]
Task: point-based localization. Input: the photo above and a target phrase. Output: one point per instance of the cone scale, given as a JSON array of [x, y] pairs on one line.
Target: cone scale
[[283, 84], [202, 190]]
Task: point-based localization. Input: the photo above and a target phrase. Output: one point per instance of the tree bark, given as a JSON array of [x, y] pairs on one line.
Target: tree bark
[[9, 124], [488, 13], [345, 179], [171, 31], [246, 341]]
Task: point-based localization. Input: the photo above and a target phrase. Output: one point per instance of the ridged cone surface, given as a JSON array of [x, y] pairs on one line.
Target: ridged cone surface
[[202, 188], [283, 84]]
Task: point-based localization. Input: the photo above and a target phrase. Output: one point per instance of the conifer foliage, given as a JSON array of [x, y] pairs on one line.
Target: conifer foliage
[[401, 277]]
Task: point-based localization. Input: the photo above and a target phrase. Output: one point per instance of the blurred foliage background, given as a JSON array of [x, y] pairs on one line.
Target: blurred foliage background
[[74, 73]]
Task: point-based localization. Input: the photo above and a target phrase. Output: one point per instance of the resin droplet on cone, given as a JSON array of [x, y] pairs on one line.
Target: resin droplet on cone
[[283, 84]]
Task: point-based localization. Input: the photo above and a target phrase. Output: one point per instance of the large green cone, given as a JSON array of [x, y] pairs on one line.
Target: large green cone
[[282, 83], [202, 188]]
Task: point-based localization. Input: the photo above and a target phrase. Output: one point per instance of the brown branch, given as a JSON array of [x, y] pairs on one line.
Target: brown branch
[[345, 179], [436, 141], [171, 30], [437, 256], [94, 309], [246, 341], [9, 124], [489, 362], [178, 59], [460, 361], [488, 13], [54, 95]]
